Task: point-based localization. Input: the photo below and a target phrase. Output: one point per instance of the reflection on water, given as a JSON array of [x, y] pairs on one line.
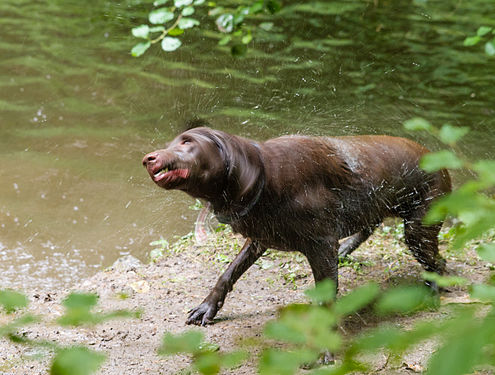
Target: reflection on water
[[77, 112]]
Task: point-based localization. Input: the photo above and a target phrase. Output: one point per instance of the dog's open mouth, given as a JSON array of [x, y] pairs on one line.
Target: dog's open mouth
[[161, 173], [168, 174]]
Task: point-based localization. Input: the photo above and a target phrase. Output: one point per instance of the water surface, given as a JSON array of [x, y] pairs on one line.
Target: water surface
[[77, 112]]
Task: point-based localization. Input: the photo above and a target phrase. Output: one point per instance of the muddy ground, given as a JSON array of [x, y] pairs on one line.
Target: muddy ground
[[166, 289]]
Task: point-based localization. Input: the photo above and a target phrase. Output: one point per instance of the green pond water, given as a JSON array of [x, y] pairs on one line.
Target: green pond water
[[77, 112]]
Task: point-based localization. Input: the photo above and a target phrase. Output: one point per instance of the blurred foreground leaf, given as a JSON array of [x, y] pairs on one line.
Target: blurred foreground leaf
[[487, 252], [278, 362], [77, 360], [324, 291], [444, 281], [451, 134], [435, 161], [357, 299], [78, 311], [406, 299], [417, 123], [187, 342], [12, 301]]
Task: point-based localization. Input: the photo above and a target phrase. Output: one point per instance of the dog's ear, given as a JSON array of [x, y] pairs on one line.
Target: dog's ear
[[245, 165], [195, 122]]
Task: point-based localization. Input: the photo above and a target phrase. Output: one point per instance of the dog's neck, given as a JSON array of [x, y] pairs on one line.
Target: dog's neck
[[236, 212]]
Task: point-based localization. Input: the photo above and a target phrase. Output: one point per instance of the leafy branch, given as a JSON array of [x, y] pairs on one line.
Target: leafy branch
[[172, 21]]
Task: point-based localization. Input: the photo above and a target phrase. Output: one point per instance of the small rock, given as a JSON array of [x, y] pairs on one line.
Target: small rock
[[126, 263], [413, 367], [140, 286]]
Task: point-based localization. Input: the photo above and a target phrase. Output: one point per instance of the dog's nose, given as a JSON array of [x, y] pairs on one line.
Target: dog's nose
[[149, 158]]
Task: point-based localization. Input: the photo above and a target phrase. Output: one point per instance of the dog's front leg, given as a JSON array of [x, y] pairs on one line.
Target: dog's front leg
[[206, 311]]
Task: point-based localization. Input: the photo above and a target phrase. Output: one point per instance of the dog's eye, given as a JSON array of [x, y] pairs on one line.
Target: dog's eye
[[186, 141]]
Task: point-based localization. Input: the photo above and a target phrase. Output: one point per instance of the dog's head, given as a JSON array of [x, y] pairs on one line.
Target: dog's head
[[205, 163]]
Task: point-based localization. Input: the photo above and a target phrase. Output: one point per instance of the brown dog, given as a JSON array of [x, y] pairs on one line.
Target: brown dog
[[302, 193]]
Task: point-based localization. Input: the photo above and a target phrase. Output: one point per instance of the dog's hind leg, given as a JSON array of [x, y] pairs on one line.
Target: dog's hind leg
[[352, 243]]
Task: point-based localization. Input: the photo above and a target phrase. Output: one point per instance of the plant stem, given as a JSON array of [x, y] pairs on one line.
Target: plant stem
[[166, 31]]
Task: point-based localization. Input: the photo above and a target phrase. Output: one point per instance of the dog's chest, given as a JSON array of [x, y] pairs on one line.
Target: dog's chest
[[285, 227]]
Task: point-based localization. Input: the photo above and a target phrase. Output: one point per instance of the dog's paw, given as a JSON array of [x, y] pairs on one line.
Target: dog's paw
[[203, 314]]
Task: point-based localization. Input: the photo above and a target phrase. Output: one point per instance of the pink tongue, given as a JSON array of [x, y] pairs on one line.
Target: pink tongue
[[183, 173]]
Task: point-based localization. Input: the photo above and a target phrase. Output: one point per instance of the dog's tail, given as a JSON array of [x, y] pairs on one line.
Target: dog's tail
[[200, 229]]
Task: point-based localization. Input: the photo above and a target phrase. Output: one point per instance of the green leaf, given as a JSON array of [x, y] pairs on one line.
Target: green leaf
[[417, 123], [405, 299], [225, 23], [140, 48], [324, 291], [234, 359], [247, 38], [187, 11], [187, 342], [256, 7], [12, 301], [80, 301], [472, 40], [76, 361], [156, 254], [395, 339], [159, 2], [208, 363], [225, 40], [483, 30], [444, 281], [175, 32], [486, 171], [483, 292], [13, 327], [451, 134], [157, 29], [380, 337], [487, 252], [277, 362], [216, 11], [181, 3], [187, 23], [477, 223], [490, 48], [170, 44], [435, 161], [459, 354], [267, 26], [238, 18], [78, 306], [357, 299], [208, 347], [141, 31], [199, 2], [77, 317], [160, 16], [464, 199], [280, 330]]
